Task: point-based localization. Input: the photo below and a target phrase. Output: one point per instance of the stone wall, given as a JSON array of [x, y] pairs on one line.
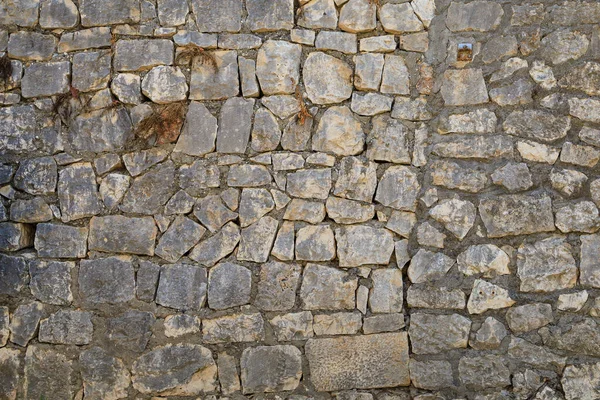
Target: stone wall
[[358, 199]]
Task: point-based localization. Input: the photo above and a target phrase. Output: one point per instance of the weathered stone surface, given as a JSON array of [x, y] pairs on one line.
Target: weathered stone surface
[[464, 87], [67, 327], [581, 337], [234, 130], [181, 236], [131, 331], [265, 16], [254, 204], [30, 211], [142, 54], [388, 141], [293, 326], [325, 288], [327, 79], [585, 156], [4, 328], [427, 265], [46, 79], [37, 176], [398, 188], [337, 41], [356, 180], [172, 12], [218, 16], [10, 364], [210, 82], [431, 334], [399, 18], [318, 14], [84, 39], [15, 236], [457, 216], [15, 275], [31, 46], [386, 293], [283, 247], [199, 131], [198, 176], [368, 71], [48, 372], [487, 296], [278, 67], [20, 12], [483, 372], [77, 192], [431, 374], [363, 245], [182, 369], [51, 281], [572, 301], [266, 133], [536, 356], [113, 234], [100, 131], [61, 241], [315, 243], [109, 12], [420, 296], [271, 368], [486, 259], [517, 93], [457, 176], [529, 317], [546, 266], [479, 16], [147, 280], [165, 85], [257, 240], [104, 376], [309, 183], [517, 215], [149, 192], [91, 71], [536, 124], [563, 45], [277, 286], [581, 381], [229, 285], [182, 286], [578, 217], [235, 328], [341, 323], [589, 267], [358, 16], [370, 103], [213, 249], [181, 325], [356, 362], [345, 211], [107, 280], [395, 78], [24, 322]]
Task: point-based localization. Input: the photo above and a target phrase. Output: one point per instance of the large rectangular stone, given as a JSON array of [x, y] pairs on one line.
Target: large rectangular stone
[[522, 214], [118, 234], [359, 362], [108, 12], [61, 241], [142, 54]]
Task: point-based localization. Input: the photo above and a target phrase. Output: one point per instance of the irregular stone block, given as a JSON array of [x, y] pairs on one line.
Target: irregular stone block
[[24, 322], [563, 45], [293, 326], [31, 46], [46, 79], [344, 211], [179, 370], [67, 327], [363, 245], [20, 12], [147, 280], [108, 280], [198, 176], [235, 328], [15, 275], [358, 16], [398, 188], [578, 217], [100, 131], [84, 39], [309, 183], [431, 374], [172, 12], [216, 81], [199, 131], [218, 246], [478, 16], [327, 79], [30, 211], [528, 317], [109, 12], [457, 216], [91, 71], [278, 67], [399, 18], [368, 70], [182, 286], [112, 234], [15, 236], [150, 192], [142, 54], [488, 371], [511, 215], [342, 323], [248, 175], [78, 192], [10, 365], [218, 16], [318, 14], [51, 281], [104, 376], [540, 125], [432, 334], [356, 362], [395, 78], [546, 266], [257, 240], [181, 236], [271, 368], [181, 325], [61, 241], [236, 121], [229, 285], [131, 331], [325, 288], [315, 243], [487, 296], [464, 87], [48, 372], [419, 296], [277, 286], [165, 85]]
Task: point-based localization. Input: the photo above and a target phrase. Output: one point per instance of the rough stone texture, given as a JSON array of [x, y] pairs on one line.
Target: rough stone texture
[[327, 79], [61, 241], [270, 369], [112, 234], [431, 334], [67, 327], [51, 281], [104, 376], [325, 288], [107, 280], [546, 266], [182, 286], [362, 245]]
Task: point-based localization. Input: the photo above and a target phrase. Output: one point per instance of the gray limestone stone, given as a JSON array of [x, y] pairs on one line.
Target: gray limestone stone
[[257, 240], [533, 355], [302, 210], [429, 296], [277, 286], [266, 133], [15, 274], [228, 375], [84, 39], [585, 156], [30, 211], [283, 247], [426, 266], [478, 121], [218, 16], [326, 288], [20, 12], [248, 175], [127, 88], [564, 45], [46, 79], [265, 16], [411, 109], [147, 280], [315, 243], [578, 217], [358, 16], [356, 180], [229, 285], [486, 259], [327, 79], [104, 376], [388, 141], [378, 323], [181, 236], [109, 12], [487, 296], [182, 286], [384, 44], [336, 41], [248, 79], [293, 326], [199, 131], [61, 241], [368, 70], [589, 267], [254, 204], [181, 325], [536, 124], [363, 245], [37, 176], [10, 365], [488, 371], [398, 188], [212, 213], [51, 281], [140, 161], [31, 46], [142, 54], [216, 81], [181, 369], [165, 85], [101, 130], [431, 374], [24, 322], [529, 317], [172, 12], [218, 246], [546, 266], [239, 41], [513, 176], [581, 381], [130, 332], [395, 78], [370, 103], [278, 67], [4, 327], [399, 18], [67, 327], [112, 189], [198, 176], [432, 334], [271, 368], [464, 87], [452, 175], [113, 234], [339, 132], [478, 16], [15, 236], [91, 70], [514, 94], [345, 211], [581, 337], [457, 216], [235, 328], [107, 280], [297, 134], [25, 126], [510, 215], [318, 14], [386, 294], [48, 371], [309, 183], [149, 192], [361, 362], [235, 124]]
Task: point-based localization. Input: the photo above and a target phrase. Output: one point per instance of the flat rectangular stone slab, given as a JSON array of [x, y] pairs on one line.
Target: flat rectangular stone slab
[[118, 234], [359, 362]]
